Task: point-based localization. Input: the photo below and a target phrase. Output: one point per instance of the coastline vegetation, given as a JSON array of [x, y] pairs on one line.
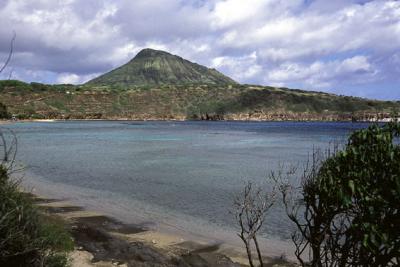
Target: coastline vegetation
[[28, 237], [346, 208]]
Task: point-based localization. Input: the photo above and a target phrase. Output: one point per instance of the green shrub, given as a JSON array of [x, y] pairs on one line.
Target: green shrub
[[363, 183], [39, 86], [4, 114], [348, 212], [13, 83], [28, 237]]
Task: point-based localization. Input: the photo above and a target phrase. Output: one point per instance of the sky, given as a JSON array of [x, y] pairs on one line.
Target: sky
[[348, 47]]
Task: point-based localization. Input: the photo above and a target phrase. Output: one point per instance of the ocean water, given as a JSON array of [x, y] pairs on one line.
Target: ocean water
[[183, 175]]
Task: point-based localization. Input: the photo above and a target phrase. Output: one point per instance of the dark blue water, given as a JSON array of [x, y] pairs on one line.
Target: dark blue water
[[178, 173]]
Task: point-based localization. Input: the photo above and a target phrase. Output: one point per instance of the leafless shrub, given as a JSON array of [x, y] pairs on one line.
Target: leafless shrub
[[10, 53], [251, 207], [8, 149]]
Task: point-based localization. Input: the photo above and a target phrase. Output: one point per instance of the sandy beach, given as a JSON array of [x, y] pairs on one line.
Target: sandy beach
[[105, 241]]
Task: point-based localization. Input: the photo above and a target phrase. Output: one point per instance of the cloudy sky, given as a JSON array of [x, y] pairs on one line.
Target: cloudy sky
[[349, 47]]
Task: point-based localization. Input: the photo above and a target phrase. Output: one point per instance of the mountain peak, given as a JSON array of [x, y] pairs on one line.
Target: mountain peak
[[149, 52], [156, 67]]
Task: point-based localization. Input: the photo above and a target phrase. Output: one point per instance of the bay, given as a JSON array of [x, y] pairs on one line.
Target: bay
[[181, 174]]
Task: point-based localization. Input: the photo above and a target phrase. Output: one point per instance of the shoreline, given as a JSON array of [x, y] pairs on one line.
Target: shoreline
[[155, 234], [87, 227], [5, 122]]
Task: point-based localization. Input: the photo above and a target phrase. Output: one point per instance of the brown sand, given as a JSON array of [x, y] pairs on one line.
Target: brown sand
[[103, 241]]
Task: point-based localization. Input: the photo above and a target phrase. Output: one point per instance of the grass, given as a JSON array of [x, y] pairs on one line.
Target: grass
[[29, 237]]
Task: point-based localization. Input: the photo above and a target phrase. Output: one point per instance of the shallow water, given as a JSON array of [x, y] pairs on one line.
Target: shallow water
[[181, 174]]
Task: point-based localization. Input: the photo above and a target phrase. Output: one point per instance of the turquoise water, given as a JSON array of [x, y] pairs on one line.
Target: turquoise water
[[177, 173]]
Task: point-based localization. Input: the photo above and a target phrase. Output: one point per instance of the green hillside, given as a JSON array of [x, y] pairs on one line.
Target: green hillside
[[154, 67], [164, 102]]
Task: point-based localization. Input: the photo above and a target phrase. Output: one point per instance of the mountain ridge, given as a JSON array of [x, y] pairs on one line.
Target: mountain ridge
[[157, 67], [157, 85], [187, 102]]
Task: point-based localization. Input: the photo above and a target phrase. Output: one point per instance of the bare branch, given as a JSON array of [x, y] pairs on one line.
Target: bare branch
[[10, 53], [9, 147], [11, 74], [251, 207]]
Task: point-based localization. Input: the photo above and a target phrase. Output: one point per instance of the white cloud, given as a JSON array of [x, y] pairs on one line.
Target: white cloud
[[319, 74], [120, 54], [72, 78], [60, 26], [307, 44], [230, 12], [356, 64], [313, 34], [68, 78], [242, 68]]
